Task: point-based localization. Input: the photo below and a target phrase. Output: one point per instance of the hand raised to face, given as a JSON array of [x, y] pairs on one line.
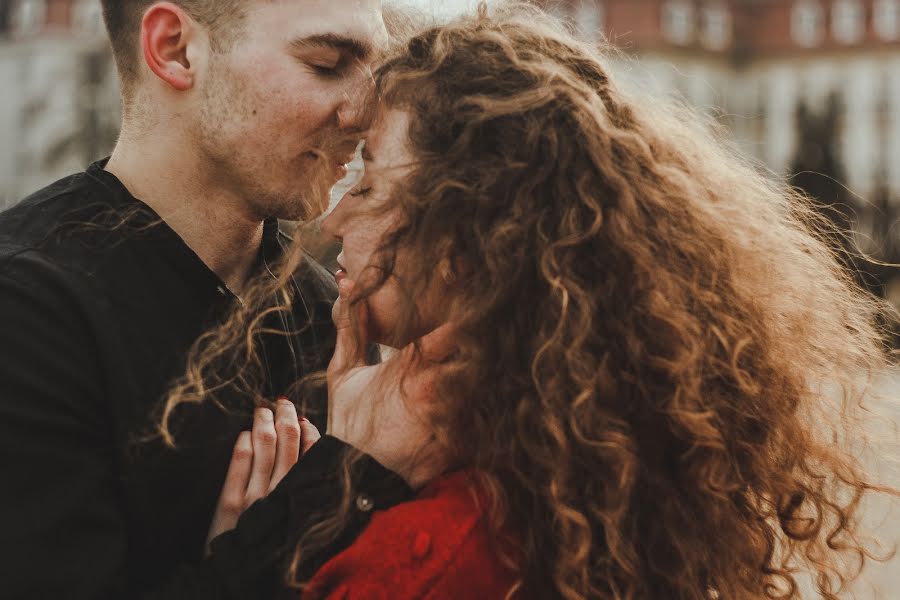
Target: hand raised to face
[[385, 410]]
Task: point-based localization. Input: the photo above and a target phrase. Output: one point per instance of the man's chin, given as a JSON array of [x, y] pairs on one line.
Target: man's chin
[[301, 214], [306, 208]]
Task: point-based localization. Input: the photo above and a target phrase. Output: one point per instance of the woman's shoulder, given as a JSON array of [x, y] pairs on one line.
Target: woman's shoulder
[[435, 546]]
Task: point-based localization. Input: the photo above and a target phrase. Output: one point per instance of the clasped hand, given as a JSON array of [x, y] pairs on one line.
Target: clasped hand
[[385, 410]]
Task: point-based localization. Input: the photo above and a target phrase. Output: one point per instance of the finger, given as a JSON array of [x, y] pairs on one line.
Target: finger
[[310, 435], [287, 445], [438, 343], [422, 367], [264, 439], [350, 321], [232, 498]]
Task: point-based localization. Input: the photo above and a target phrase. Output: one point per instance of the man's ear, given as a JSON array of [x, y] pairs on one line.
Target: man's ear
[[166, 31]]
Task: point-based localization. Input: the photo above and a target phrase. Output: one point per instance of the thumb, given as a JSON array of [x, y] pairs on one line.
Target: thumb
[[350, 320], [438, 343], [309, 435]]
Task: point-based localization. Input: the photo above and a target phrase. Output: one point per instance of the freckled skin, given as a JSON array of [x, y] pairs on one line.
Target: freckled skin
[[264, 107]]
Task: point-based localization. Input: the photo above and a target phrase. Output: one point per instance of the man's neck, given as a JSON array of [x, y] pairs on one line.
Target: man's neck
[[214, 222]]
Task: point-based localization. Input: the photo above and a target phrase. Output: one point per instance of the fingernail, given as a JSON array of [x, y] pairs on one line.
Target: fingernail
[[282, 398], [304, 419], [266, 415]]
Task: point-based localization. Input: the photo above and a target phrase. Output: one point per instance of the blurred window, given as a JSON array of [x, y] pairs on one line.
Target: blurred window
[[589, 19], [886, 19], [716, 26], [29, 16], [678, 21], [5, 10], [848, 21], [87, 17], [807, 23]]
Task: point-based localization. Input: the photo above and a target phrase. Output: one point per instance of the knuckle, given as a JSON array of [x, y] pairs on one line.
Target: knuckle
[[309, 429], [232, 506], [242, 453], [288, 429], [266, 437]]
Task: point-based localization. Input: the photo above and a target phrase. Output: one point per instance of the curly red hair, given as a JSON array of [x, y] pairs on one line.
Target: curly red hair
[[657, 343], [659, 355]]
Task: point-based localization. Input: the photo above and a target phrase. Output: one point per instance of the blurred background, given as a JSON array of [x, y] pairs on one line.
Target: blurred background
[[810, 88]]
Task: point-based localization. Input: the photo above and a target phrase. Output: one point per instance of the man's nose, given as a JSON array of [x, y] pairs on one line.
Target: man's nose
[[354, 113]]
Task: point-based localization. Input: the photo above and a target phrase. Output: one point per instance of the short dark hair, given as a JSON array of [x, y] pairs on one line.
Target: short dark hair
[[123, 21]]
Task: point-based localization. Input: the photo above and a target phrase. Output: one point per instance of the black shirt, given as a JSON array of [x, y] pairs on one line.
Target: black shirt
[[99, 303]]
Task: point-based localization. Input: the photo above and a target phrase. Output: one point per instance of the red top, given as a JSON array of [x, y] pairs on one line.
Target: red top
[[434, 547]]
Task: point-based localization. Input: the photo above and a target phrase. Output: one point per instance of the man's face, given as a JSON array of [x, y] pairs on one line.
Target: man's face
[[280, 111]]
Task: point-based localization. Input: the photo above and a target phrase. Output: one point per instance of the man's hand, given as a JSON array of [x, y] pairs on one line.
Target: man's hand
[[260, 460]]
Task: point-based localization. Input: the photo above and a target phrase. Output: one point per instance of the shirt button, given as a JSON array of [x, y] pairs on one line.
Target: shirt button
[[221, 291], [421, 545], [364, 503]]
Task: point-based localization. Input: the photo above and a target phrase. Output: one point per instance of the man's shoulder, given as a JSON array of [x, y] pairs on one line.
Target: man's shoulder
[[77, 199], [57, 242]]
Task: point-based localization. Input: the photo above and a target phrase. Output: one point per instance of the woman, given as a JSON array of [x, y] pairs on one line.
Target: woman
[[629, 359]]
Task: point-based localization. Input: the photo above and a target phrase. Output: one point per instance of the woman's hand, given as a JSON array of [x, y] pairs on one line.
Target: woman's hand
[[260, 460], [385, 410]]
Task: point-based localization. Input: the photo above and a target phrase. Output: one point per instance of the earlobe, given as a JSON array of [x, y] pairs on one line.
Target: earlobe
[[165, 33]]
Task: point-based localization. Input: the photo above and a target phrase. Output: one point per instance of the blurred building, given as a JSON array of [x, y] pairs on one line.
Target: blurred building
[[759, 62], [59, 108], [809, 87]]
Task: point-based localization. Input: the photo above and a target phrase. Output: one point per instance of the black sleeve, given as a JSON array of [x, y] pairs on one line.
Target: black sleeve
[[62, 527]]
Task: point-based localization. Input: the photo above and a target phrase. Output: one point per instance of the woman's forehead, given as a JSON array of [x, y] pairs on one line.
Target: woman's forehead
[[387, 145]]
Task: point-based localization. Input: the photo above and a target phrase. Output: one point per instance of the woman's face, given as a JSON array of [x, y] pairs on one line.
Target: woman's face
[[363, 219]]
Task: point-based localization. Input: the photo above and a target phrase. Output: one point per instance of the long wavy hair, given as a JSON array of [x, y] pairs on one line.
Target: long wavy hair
[[660, 357]]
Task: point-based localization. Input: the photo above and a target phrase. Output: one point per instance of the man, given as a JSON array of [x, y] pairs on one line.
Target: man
[[231, 112]]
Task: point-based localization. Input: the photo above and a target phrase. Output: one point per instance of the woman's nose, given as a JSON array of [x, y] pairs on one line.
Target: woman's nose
[[327, 226], [333, 224]]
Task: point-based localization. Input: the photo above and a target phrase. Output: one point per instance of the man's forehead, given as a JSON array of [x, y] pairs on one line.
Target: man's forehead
[[352, 25]]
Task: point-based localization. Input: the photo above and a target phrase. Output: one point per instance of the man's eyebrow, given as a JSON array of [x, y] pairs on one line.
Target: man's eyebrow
[[358, 49]]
